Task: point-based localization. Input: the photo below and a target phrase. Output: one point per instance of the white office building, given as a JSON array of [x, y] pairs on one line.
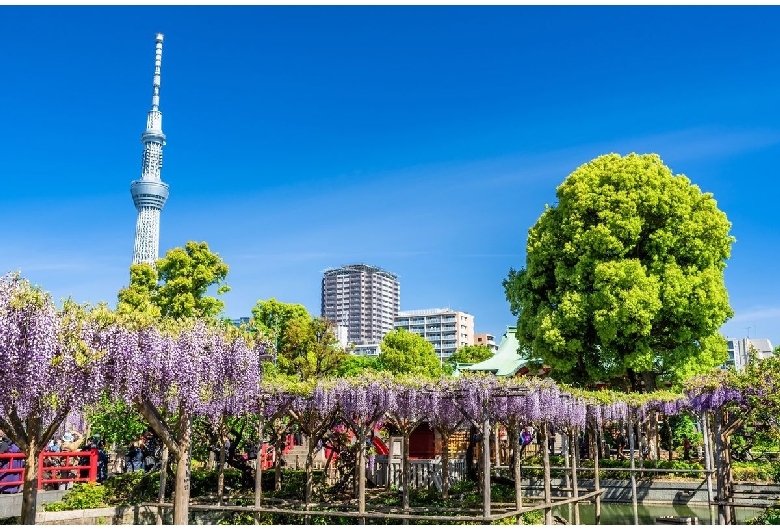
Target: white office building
[[446, 328], [739, 351]]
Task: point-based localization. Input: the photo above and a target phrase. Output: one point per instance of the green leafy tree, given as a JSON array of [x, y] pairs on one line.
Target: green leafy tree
[[470, 354], [354, 365], [310, 349], [624, 276], [115, 421], [179, 285], [403, 352], [139, 296], [272, 318]]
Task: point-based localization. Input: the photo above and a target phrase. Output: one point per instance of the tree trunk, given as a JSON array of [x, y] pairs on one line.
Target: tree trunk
[[163, 480], [405, 470], [221, 473], [445, 465], [720, 475], [259, 470], [633, 469], [566, 453], [705, 429], [361, 472], [278, 449], [486, 467], [513, 434], [312, 446], [545, 449], [30, 486], [181, 497], [652, 437], [596, 473], [574, 463]]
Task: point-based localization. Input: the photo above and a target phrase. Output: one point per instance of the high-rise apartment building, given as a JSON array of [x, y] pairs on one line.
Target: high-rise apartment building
[[446, 329], [362, 298]]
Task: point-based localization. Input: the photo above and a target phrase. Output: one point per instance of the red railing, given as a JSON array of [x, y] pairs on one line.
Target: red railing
[[63, 467]]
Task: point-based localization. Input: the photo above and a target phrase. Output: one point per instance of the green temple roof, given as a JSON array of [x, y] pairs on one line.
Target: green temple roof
[[506, 362]]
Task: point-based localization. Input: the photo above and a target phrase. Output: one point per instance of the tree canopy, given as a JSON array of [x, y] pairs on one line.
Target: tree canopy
[[272, 318], [624, 276], [403, 352], [50, 367], [472, 353], [310, 349], [178, 287]]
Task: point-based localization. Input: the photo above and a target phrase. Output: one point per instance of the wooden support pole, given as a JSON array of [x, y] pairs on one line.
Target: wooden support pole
[[545, 449], [259, 468], [596, 477], [705, 427], [566, 453], [514, 433], [633, 468], [486, 467], [574, 463]]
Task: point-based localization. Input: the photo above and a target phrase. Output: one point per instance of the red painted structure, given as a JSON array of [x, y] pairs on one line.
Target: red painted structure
[[421, 442], [53, 474]]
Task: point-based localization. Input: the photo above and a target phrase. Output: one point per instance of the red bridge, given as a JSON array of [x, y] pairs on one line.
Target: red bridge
[[53, 468]]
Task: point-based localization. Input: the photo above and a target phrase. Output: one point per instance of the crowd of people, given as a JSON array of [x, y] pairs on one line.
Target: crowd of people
[[142, 455], [73, 442]]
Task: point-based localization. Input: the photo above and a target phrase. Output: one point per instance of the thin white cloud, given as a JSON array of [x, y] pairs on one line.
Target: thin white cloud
[[756, 314]]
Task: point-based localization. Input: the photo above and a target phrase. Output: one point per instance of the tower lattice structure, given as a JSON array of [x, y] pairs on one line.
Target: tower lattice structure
[[150, 192]]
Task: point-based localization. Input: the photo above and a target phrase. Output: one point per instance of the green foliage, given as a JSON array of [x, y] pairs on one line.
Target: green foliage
[[408, 353], [470, 354], [353, 365], [138, 297], [624, 276], [134, 488], [756, 471], [770, 516], [178, 286], [271, 318], [115, 421], [83, 496], [311, 350]]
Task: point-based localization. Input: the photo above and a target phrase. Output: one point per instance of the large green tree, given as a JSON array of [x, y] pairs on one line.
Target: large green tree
[[178, 286], [403, 352], [624, 276], [310, 349], [272, 318]]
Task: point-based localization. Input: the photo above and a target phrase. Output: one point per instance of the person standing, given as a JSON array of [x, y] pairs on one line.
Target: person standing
[[551, 441], [686, 448]]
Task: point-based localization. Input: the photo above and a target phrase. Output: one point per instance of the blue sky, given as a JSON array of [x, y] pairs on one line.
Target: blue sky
[[424, 140]]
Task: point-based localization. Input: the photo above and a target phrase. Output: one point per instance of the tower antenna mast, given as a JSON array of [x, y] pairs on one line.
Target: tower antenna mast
[[150, 192]]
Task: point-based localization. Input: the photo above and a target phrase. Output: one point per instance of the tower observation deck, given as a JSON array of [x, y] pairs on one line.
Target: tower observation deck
[[150, 192]]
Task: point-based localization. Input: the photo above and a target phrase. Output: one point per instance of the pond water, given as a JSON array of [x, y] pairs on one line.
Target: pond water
[[617, 513]]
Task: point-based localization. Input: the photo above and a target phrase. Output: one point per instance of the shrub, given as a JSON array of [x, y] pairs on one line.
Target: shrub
[[83, 496]]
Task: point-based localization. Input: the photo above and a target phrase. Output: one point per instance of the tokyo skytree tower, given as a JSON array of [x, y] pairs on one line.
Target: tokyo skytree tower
[[150, 193]]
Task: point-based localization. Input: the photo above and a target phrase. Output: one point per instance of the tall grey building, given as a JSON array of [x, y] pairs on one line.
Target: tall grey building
[[150, 192], [363, 299]]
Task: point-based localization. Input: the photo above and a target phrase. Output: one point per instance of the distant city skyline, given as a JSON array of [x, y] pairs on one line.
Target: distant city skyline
[[425, 140]]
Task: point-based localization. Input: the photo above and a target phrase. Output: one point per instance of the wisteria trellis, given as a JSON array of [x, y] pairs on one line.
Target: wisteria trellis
[[53, 361]]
